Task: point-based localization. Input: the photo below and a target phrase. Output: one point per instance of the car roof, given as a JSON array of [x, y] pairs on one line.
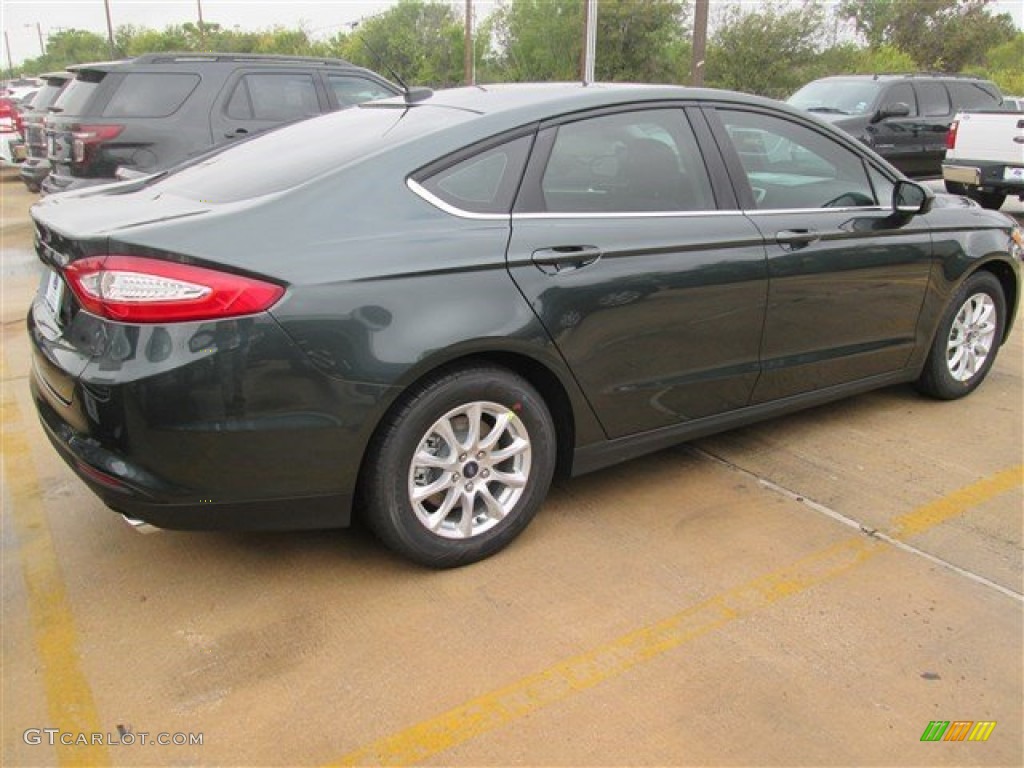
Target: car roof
[[185, 57], [890, 76]]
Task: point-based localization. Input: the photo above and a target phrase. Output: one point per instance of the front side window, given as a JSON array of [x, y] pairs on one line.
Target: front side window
[[628, 162], [350, 89], [485, 182], [145, 94], [791, 166], [901, 93], [273, 96]]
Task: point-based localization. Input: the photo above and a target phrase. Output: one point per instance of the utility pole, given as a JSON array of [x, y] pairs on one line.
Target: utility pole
[[39, 31], [468, 56], [10, 64], [700, 42], [110, 31], [589, 41], [202, 32]]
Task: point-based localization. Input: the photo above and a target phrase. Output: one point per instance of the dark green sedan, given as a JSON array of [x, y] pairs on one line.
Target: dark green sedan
[[420, 310]]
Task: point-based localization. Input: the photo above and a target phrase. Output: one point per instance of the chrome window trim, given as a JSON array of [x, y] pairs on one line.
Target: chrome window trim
[[440, 204], [452, 210]]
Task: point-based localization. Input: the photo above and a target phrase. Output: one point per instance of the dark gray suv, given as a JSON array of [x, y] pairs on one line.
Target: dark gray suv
[[149, 113], [904, 118]]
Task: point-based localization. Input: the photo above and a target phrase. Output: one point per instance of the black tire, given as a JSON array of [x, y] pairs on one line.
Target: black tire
[[991, 200], [391, 477], [947, 376]]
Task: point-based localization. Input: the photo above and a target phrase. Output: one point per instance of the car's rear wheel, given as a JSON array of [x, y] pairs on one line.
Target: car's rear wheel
[[968, 339], [460, 467]]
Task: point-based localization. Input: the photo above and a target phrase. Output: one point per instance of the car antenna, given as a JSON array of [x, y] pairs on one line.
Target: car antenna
[[411, 95]]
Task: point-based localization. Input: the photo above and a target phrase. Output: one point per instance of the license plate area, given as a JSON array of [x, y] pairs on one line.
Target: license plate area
[[53, 293]]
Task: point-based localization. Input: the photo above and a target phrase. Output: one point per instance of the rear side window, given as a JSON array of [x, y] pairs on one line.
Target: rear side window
[[483, 183], [74, 99], [146, 94], [968, 95], [349, 89], [934, 99], [274, 96]]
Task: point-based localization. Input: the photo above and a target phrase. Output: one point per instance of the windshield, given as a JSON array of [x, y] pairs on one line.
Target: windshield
[[838, 97]]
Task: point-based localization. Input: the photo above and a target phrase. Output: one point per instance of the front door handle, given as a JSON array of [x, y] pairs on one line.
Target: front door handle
[[563, 258], [236, 134], [795, 239]]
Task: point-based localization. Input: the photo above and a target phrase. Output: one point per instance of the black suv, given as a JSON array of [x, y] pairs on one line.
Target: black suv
[[36, 166], [904, 118], [149, 113]]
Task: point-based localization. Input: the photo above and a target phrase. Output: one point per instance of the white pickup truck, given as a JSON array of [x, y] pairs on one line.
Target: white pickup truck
[[985, 157]]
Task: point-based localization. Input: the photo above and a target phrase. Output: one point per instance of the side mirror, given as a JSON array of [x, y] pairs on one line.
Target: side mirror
[[896, 109], [911, 198]]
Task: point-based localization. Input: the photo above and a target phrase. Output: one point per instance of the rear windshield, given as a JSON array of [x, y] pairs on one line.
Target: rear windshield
[[287, 156], [75, 97], [47, 94]]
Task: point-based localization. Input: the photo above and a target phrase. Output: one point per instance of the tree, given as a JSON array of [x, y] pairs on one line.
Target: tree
[[940, 35], [637, 40], [421, 41], [765, 50], [69, 46]]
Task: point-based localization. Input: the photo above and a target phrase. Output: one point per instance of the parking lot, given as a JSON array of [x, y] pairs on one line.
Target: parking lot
[[814, 590]]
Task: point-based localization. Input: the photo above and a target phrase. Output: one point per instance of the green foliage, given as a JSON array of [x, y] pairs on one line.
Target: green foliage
[[939, 35], [421, 41], [766, 50], [759, 48], [637, 40]]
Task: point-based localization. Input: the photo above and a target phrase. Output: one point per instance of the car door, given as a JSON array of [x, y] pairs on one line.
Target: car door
[[933, 125], [256, 101], [846, 277], [648, 279], [897, 139]]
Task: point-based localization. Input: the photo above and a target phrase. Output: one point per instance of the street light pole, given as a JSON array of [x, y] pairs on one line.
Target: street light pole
[[589, 41], [110, 30], [202, 32], [39, 31], [467, 58], [700, 43]]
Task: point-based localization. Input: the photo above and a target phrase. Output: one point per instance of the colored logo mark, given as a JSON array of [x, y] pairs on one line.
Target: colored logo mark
[[958, 730]]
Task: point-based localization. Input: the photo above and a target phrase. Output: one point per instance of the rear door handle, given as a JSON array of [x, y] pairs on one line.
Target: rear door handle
[[794, 239], [563, 258]]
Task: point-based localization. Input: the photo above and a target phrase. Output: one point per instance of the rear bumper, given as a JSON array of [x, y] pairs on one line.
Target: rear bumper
[[984, 175], [215, 425], [57, 182]]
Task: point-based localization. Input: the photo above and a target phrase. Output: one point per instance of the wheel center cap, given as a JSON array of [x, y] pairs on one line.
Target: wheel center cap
[[469, 471]]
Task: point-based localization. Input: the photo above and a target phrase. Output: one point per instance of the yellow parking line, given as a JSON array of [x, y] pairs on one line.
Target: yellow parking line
[[956, 503], [69, 698], [578, 673]]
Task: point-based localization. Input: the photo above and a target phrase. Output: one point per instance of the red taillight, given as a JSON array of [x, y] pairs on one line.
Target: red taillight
[[951, 134], [8, 116], [132, 289], [87, 137]]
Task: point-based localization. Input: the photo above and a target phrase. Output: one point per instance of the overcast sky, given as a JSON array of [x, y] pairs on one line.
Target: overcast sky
[[323, 18]]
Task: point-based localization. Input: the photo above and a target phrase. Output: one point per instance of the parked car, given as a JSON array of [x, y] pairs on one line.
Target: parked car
[[424, 309], [1013, 103], [17, 88], [904, 118], [12, 147], [36, 166], [985, 157], [152, 112]]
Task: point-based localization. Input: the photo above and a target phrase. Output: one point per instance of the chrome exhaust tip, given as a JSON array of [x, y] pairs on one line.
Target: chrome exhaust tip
[[140, 526]]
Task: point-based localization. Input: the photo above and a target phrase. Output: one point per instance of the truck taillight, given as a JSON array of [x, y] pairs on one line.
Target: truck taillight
[[951, 134]]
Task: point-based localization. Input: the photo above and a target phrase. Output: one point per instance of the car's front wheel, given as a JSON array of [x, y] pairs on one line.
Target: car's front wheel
[[460, 467], [968, 339]]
